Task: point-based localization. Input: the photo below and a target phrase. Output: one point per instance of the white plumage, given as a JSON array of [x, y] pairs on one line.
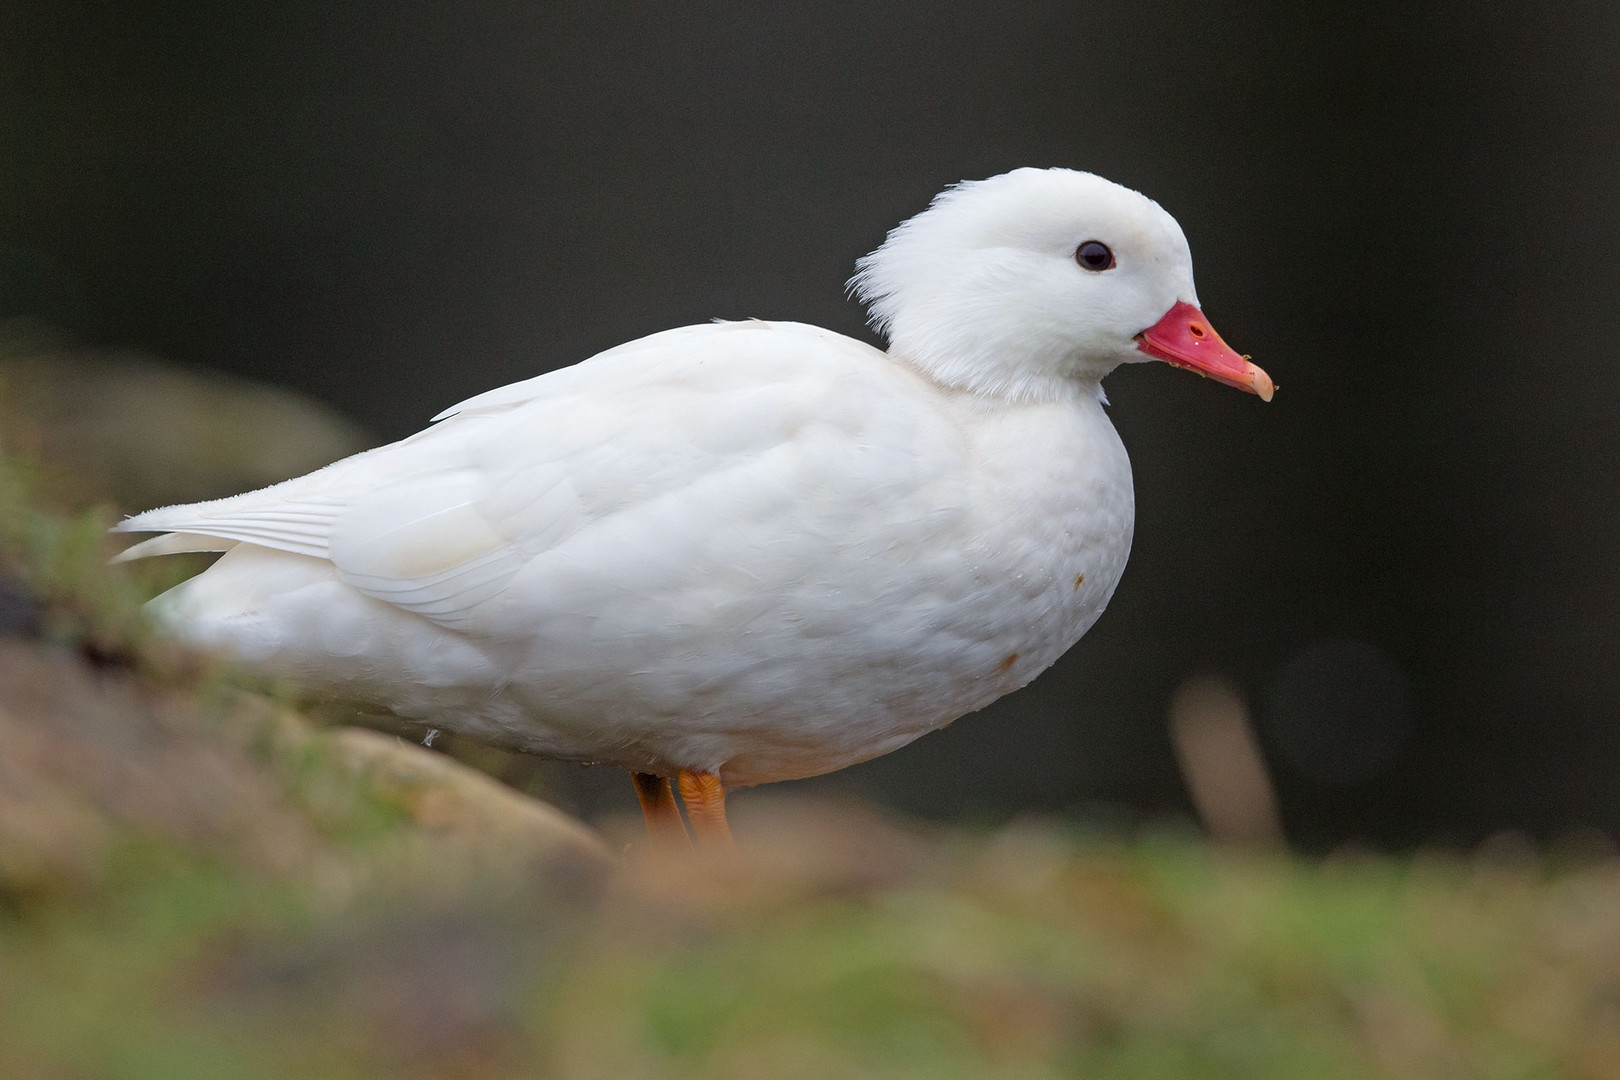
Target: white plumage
[[756, 549]]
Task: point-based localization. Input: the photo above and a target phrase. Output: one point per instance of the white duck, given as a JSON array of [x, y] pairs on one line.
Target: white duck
[[745, 551]]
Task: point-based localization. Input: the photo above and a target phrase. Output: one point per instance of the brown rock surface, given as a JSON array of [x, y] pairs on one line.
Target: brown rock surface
[[97, 755]]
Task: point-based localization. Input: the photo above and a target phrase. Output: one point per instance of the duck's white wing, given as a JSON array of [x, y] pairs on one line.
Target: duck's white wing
[[601, 463]]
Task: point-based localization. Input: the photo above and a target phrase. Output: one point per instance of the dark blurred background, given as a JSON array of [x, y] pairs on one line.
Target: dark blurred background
[[1407, 562]]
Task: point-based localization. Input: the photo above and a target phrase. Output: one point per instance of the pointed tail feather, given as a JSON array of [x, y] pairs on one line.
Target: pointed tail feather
[[173, 544]]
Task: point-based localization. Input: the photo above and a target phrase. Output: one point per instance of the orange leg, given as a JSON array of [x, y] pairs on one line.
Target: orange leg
[[664, 824], [705, 799]]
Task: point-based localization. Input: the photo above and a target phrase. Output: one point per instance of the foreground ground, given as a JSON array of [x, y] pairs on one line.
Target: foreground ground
[[196, 881]]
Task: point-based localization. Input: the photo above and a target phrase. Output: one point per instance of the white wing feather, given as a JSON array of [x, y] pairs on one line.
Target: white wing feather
[[576, 463]]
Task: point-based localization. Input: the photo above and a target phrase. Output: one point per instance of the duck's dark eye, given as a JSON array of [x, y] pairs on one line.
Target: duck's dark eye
[[1094, 255]]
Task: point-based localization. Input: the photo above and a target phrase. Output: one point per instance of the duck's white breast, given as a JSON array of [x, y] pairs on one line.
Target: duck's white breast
[[759, 549]]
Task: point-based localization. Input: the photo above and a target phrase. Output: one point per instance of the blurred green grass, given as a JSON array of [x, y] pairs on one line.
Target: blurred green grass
[[195, 881]]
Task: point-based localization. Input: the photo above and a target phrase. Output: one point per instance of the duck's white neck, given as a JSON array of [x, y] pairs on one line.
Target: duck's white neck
[[1005, 375]]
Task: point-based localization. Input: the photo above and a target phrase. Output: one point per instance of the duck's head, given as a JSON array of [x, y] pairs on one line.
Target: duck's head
[[1034, 281]]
